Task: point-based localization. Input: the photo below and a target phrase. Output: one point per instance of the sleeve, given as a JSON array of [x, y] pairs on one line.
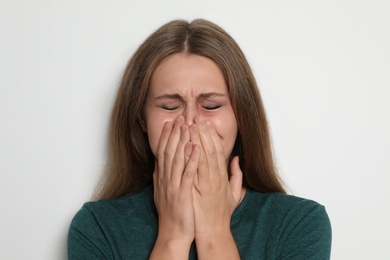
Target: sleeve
[[309, 235], [86, 239]]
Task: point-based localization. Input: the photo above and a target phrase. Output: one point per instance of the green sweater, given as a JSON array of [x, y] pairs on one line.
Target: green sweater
[[264, 226]]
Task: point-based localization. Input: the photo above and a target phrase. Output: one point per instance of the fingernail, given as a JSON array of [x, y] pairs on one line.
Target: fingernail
[[196, 147], [199, 119], [167, 124], [208, 123]]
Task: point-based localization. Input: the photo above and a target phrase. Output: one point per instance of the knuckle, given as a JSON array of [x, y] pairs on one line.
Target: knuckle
[[203, 129], [160, 155], [167, 153], [176, 162], [210, 150]]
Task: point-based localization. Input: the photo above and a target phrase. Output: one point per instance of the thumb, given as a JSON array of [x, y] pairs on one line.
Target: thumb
[[235, 179], [155, 173]]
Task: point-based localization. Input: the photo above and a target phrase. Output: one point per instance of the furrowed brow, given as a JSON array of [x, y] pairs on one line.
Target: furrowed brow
[[211, 95], [169, 96]]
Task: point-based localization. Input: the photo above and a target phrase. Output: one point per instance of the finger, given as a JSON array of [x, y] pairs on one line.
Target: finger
[[187, 151], [203, 172], [171, 146], [236, 179], [155, 179], [166, 132], [220, 152], [208, 145], [192, 165], [195, 138], [179, 161], [155, 174]]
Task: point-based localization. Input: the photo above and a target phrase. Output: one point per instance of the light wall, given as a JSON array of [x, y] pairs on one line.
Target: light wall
[[324, 72]]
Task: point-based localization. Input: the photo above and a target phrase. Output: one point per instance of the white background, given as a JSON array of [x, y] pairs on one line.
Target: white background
[[324, 72]]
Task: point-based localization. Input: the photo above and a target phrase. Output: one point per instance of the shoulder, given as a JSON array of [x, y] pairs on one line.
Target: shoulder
[[281, 200], [293, 205], [279, 204], [140, 201], [290, 210], [98, 225], [300, 226], [114, 211]]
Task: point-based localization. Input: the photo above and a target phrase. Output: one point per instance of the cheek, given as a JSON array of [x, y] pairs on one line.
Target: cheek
[[154, 126], [226, 128], [154, 132]]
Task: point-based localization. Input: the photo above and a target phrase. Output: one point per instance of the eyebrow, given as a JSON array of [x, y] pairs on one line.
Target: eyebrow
[[202, 96], [169, 96], [210, 95]]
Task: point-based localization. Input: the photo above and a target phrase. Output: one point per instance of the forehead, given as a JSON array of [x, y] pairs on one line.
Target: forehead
[[183, 74]]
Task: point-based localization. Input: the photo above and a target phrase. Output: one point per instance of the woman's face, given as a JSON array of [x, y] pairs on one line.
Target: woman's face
[[189, 85]]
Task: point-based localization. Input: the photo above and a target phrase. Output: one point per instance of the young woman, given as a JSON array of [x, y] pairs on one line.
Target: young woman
[[191, 173]]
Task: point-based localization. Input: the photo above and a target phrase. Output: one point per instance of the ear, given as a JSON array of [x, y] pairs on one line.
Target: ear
[[142, 122]]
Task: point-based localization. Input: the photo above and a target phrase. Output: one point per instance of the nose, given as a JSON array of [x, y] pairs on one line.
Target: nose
[[189, 114]]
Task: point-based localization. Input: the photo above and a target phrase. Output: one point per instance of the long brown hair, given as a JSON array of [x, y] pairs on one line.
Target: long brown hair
[[131, 162]]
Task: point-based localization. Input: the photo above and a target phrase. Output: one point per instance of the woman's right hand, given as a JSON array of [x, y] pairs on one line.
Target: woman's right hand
[[173, 177]]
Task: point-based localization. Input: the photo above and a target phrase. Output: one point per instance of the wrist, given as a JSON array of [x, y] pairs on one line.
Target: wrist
[[213, 237], [167, 247], [218, 245]]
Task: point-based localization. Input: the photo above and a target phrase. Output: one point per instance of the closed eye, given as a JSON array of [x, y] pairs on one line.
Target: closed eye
[[213, 107], [170, 108]]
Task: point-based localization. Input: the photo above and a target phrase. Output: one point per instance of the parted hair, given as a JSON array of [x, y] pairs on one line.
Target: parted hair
[[130, 164]]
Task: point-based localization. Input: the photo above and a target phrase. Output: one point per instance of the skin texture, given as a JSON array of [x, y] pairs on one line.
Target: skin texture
[[192, 130]]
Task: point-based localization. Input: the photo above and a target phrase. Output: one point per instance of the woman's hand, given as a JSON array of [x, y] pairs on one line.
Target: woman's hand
[[214, 196], [176, 165]]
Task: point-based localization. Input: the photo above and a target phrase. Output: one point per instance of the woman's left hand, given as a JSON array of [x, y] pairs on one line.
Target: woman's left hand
[[215, 197]]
